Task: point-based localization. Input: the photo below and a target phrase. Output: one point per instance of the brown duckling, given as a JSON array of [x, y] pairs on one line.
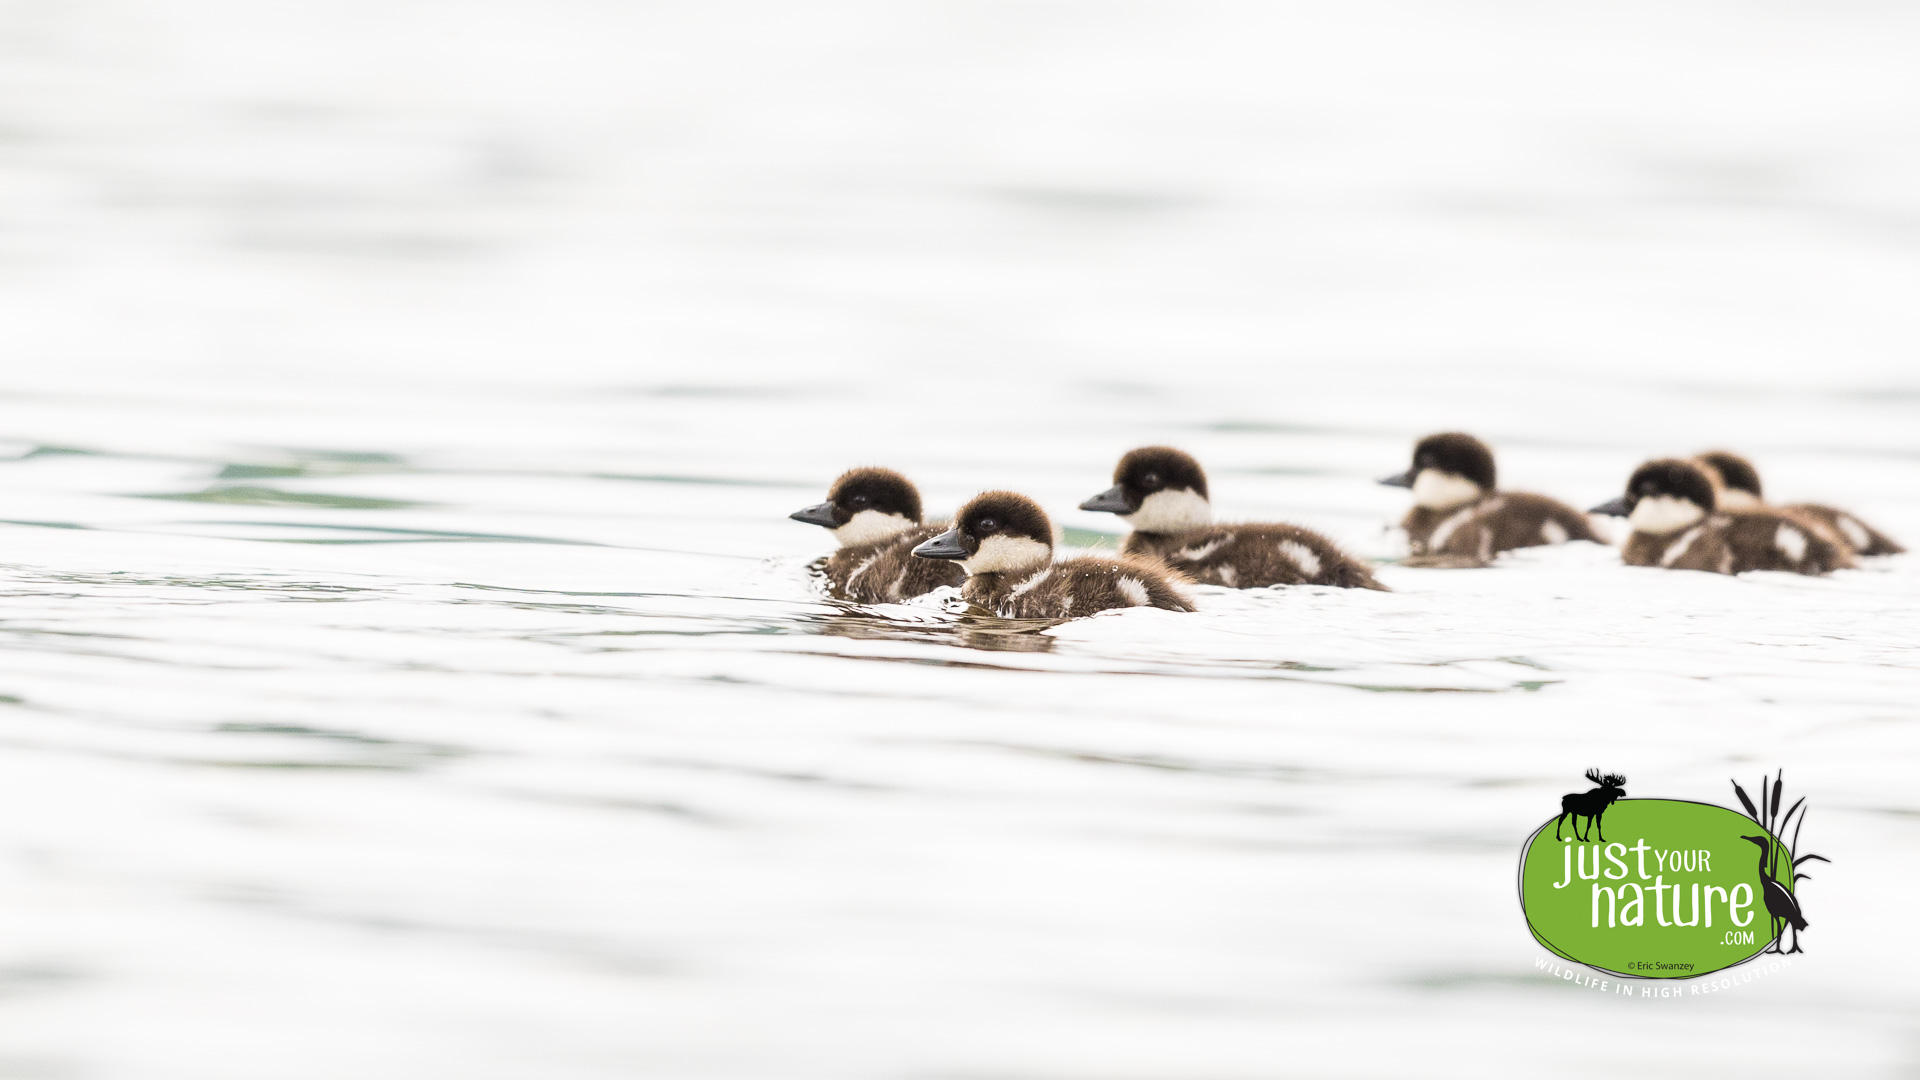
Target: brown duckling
[[874, 514], [1162, 493], [1459, 516], [1004, 542]]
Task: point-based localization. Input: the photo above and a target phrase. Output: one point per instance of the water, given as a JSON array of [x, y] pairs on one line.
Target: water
[[411, 670]]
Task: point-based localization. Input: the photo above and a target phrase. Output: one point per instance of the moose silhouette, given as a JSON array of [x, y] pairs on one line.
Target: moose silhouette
[[1590, 804]]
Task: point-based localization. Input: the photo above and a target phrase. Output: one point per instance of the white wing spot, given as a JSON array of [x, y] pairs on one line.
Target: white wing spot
[[1302, 557], [1791, 542], [1134, 591], [1228, 576], [1195, 554], [1031, 583], [1680, 546], [1553, 532], [1856, 533], [1460, 517]]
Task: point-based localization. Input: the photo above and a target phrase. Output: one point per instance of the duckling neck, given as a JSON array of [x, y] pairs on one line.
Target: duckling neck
[[986, 588], [1143, 542]]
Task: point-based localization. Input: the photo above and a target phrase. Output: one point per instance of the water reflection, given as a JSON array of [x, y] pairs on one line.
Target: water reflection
[[986, 633]]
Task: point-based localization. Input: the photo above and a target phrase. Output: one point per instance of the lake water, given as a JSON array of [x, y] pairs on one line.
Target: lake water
[[410, 669]]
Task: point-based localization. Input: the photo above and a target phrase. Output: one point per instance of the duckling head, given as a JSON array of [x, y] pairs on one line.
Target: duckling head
[[1736, 481], [1663, 496], [864, 506], [1449, 469], [1156, 489], [997, 532]]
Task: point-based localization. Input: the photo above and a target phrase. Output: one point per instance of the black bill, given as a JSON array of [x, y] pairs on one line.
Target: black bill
[[1111, 501], [1614, 507], [1404, 479], [944, 546], [821, 515]]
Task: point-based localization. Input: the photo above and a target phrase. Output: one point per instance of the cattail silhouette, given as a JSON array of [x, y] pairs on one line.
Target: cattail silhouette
[[1782, 904]]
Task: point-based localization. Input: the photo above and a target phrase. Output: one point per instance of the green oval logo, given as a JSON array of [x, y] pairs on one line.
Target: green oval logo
[[1674, 890]]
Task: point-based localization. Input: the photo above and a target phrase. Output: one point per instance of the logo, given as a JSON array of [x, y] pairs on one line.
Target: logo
[[1682, 890]]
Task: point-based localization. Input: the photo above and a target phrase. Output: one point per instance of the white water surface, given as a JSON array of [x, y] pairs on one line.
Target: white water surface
[[409, 669]]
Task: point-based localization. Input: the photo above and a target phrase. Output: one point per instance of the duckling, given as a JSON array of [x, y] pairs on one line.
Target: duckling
[[1738, 484], [1671, 505], [1004, 542], [1162, 493], [875, 516], [1459, 518]]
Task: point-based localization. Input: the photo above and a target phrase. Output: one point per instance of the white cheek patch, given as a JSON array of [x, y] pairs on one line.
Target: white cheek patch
[[1301, 556], [1553, 532], [1736, 499], [1134, 591], [1437, 490], [999, 554], [870, 526], [1791, 542], [1664, 514], [1170, 511]]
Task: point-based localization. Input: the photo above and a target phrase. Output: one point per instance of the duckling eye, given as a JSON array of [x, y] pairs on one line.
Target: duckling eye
[[1152, 479], [858, 500], [985, 525]]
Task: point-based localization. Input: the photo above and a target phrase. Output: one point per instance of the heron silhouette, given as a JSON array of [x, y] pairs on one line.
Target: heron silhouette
[[1780, 903]]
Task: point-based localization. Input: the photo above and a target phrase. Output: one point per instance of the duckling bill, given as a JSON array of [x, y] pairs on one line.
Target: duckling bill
[[1162, 493], [875, 516], [1461, 518], [1672, 507], [1738, 488], [1004, 543]]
